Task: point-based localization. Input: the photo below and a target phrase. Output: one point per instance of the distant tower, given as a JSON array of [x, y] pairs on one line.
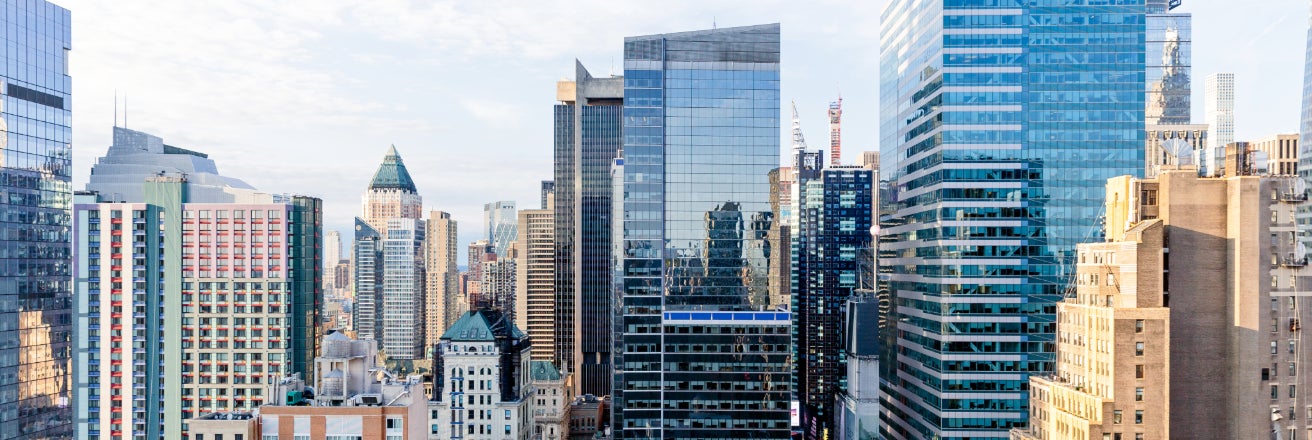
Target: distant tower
[[1220, 106], [391, 194], [836, 132]]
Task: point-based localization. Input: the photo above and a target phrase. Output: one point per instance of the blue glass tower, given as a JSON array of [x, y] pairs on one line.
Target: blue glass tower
[[35, 179], [832, 241], [696, 355], [1000, 123]]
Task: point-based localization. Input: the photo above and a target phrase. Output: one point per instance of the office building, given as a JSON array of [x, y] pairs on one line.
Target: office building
[[835, 214], [442, 294], [588, 121], [535, 310], [1219, 359], [1168, 64], [701, 137], [499, 222], [548, 191], [870, 160], [1281, 152], [206, 334], [391, 194], [36, 180], [993, 189], [1219, 104], [481, 386], [353, 401], [858, 406]]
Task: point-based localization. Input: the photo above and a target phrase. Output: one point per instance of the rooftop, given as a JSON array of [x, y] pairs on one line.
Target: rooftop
[[482, 325], [543, 370], [392, 174]]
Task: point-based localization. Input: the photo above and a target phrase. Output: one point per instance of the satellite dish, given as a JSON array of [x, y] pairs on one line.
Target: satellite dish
[[1178, 152]]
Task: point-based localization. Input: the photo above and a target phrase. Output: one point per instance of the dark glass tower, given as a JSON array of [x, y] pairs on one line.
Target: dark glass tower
[[1000, 122], [35, 179], [588, 138], [305, 232], [833, 245], [695, 354]]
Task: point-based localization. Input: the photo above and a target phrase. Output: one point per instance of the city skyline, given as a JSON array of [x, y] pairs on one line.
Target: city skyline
[[499, 80]]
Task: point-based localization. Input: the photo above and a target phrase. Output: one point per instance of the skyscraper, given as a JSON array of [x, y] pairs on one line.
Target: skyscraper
[[223, 298], [998, 153], [332, 254], [391, 194], [499, 222], [442, 292], [402, 304], [1219, 102], [1169, 40], [35, 178], [367, 275], [588, 138], [833, 235], [696, 355], [548, 191], [535, 308]]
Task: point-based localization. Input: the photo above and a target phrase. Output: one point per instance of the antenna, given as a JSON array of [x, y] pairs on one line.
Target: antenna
[[115, 107]]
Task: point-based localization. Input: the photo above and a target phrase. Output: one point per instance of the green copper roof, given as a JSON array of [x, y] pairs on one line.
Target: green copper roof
[[392, 173], [543, 370], [482, 325]]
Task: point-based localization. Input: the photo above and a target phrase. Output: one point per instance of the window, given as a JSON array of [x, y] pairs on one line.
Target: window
[[394, 423], [1138, 371], [1138, 394], [1138, 349], [1138, 417], [507, 429], [1116, 417], [507, 415], [1138, 326]]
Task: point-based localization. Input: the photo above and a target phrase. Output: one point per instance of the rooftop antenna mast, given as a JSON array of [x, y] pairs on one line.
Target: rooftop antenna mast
[[115, 107], [799, 143]]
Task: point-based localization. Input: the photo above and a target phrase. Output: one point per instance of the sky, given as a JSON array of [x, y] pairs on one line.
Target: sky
[[305, 96]]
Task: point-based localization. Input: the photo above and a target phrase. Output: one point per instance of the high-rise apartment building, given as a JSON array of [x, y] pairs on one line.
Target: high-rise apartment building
[[211, 290], [548, 192], [497, 289], [35, 178], [1219, 106], [391, 194], [998, 164], [402, 304], [535, 309], [588, 120], [499, 222], [1222, 357], [332, 254], [1281, 153], [445, 304], [695, 354], [834, 219], [367, 275]]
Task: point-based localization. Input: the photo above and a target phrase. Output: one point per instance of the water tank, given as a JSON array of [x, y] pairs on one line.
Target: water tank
[[334, 383], [336, 345]]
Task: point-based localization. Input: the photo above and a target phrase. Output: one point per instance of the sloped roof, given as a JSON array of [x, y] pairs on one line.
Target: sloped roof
[[392, 174], [482, 325], [543, 370]]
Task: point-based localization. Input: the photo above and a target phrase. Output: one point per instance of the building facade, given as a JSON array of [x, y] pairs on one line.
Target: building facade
[[498, 288], [1173, 145], [1169, 41], [499, 223], [389, 266], [367, 276], [36, 178], [205, 335], [535, 310], [695, 355], [442, 291], [481, 380], [1281, 153], [402, 304], [998, 167], [552, 395], [588, 120], [835, 213], [1219, 104]]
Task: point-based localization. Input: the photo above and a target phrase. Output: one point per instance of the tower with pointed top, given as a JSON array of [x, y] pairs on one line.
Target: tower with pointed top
[[391, 194]]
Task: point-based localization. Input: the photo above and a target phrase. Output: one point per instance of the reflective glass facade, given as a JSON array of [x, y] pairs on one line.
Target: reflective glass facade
[[35, 202], [832, 241], [588, 129], [1169, 42], [1000, 122], [701, 137], [1305, 128]]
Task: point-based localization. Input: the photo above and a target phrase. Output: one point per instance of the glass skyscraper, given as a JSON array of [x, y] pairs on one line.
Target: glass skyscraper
[[1000, 122], [698, 354], [588, 138], [35, 179]]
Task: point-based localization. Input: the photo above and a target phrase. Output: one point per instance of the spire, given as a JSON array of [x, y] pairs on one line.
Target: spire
[[799, 143], [392, 174]]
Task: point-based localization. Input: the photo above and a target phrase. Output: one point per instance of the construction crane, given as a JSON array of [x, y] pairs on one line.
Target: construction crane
[[799, 143], [835, 131]]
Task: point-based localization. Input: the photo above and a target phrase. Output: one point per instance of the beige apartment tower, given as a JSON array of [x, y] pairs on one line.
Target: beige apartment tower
[[444, 303], [1281, 153], [1221, 358], [536, 280]]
